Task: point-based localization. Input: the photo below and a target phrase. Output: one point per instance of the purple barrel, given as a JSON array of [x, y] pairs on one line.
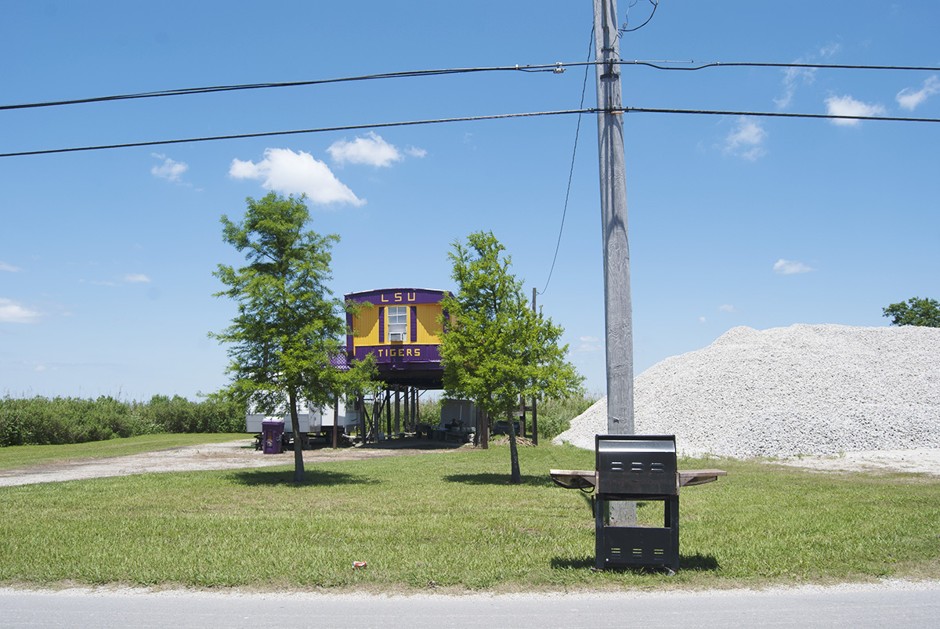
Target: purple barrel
[[271, 432]]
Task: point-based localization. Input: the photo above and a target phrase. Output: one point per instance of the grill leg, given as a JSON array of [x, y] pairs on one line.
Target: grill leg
[[600, 553], [671, 517]]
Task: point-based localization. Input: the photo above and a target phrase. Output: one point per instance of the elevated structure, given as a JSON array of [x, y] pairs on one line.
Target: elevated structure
[[401, 328]]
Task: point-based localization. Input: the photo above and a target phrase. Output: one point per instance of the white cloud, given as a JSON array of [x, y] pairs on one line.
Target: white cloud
[[171, 170], [746, 140], [128, 278], [588, 344], [848, 106], [792, 79], [911, 99], [9, 268], [702, 319], [414, 151], [830, 50], [726, 308], [790, 267], [12, 312], [287, 172], [246, 170], [370, 149]]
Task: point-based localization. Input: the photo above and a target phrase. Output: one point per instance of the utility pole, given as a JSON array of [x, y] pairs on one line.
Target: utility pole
[[535, 411], [618, 308]]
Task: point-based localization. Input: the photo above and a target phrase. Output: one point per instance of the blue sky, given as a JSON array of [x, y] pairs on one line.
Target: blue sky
[[106, 257]]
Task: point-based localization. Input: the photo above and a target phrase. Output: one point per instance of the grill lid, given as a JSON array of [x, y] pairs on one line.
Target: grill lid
[[636, 464]]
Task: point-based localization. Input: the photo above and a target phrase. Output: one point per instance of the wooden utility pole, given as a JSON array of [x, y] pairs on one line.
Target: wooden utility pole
[[618, 308], [535, 412]]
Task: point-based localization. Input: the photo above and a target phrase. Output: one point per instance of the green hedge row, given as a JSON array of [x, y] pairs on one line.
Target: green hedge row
[[41, 421], [554, 415]]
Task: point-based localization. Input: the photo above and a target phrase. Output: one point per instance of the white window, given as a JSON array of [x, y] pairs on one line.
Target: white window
[[397, 323]]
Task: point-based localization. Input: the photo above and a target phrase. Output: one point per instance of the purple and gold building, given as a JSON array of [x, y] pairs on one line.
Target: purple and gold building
[[402, 328]]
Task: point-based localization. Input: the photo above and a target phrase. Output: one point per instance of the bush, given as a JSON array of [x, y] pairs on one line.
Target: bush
[[216, 413], [555, 415], [429, 410], [44, 421]]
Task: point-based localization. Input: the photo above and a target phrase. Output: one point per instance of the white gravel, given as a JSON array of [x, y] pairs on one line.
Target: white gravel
[[800, 390]]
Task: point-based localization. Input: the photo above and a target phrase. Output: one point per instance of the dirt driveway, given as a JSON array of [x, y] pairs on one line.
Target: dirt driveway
[[241, 454], [211, 456]]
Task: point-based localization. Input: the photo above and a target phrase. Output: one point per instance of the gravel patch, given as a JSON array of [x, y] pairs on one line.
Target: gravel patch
[[238, 454], [844, 396]]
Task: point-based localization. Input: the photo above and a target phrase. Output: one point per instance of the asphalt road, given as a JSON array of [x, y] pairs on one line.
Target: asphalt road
[[902, 604]]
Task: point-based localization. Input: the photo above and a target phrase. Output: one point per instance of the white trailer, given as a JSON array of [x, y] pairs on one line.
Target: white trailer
[[458, 420], [314, 422]]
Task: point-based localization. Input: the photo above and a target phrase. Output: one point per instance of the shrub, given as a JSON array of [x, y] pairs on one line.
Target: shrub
[[44, 421], [555, 415]]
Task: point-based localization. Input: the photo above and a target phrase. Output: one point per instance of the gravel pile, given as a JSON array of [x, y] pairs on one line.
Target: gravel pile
[[804, 389]]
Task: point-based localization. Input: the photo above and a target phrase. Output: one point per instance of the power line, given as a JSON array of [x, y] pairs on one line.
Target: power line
[[265, 134], [624, 28], [574, 152], [659, 65], [555, 68], [188, 91], [773, 114], [411, 123]]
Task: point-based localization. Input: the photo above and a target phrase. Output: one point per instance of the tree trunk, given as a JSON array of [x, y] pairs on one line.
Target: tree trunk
[[335, 443], [515, 477], [298, 444]]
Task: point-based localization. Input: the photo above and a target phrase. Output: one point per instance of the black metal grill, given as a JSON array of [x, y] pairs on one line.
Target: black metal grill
[[636, 468]]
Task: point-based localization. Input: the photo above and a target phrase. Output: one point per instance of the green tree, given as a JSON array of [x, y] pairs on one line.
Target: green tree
[[916, 311], [495, 348], [288, 330]]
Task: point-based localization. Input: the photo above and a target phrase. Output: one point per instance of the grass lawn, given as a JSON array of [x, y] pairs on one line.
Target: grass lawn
[[22, 456], [450, 520]]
